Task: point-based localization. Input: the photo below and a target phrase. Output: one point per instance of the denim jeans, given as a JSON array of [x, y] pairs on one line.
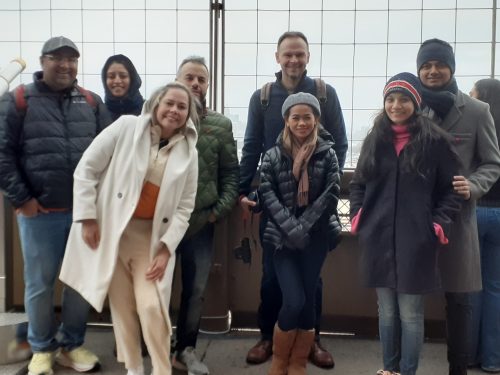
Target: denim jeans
[[196, 260], [298, 274], [485, 345], [43, 242], [270, 293], [401, 329]]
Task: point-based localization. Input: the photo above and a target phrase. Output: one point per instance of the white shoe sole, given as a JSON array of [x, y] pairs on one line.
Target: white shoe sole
[[182, 367], [63, 361]]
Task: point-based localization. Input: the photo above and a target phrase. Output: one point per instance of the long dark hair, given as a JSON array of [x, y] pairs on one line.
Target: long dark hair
[[423, 132], [488, 91]]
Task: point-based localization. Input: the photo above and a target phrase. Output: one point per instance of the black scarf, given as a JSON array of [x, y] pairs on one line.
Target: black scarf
[[441, 101], [128, 105]]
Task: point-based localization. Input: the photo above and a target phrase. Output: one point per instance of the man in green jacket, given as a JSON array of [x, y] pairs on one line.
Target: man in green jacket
[[217, 193]]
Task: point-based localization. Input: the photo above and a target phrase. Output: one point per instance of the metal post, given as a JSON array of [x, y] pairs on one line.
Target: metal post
[[493, 38]]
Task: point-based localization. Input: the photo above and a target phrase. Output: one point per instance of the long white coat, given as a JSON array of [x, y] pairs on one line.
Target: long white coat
[[107, 187]]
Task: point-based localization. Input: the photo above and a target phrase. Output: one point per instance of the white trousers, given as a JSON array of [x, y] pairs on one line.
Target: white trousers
[[134, 303]]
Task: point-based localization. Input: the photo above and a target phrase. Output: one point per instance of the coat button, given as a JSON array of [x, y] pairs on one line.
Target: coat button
[[165, 220], [119, 195]]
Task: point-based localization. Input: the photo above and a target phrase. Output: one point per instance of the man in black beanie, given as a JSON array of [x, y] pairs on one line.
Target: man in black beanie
[[470, 124]]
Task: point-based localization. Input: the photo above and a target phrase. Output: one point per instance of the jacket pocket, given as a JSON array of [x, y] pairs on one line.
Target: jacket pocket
[[460, 138]]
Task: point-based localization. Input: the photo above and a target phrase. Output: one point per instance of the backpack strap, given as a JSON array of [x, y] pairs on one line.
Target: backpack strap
[[265, 91], [20, 99], [320, 90], [22, 104], [88, 97]]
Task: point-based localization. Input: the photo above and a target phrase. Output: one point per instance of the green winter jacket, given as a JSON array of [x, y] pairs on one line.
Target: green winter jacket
[[218, 174]]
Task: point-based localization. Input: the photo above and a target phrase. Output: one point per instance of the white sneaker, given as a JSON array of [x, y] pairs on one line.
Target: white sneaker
[[187, 361], [41, 364], [79, 359], [137, 371]]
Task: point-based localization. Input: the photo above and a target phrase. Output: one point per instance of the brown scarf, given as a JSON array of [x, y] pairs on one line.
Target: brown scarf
[[301, 154]]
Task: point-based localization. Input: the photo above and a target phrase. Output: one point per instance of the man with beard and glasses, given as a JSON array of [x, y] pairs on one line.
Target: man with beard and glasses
[[217, 194]]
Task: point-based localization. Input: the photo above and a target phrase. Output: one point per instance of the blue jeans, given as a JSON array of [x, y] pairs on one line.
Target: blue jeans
[[270, 293], [43, 242], [298, 274], [401, 329], [196, 260], [486, 304]]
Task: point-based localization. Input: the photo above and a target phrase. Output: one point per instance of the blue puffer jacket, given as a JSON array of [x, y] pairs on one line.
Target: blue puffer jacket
[[39, 150], [264, 126], [290, 226]]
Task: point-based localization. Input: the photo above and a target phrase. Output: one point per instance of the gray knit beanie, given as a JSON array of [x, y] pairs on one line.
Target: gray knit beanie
[[301, 98]]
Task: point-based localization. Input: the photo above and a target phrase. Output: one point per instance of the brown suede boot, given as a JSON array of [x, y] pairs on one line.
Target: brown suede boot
[[300, 352], [283, 342]]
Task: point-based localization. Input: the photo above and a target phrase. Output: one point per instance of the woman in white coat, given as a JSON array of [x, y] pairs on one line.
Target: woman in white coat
[[134, 191]]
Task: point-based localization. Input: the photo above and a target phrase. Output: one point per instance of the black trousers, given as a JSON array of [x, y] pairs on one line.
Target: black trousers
[[458, 330]]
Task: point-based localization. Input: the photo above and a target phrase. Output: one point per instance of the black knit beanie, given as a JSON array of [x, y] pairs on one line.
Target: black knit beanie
[[436, 49], [407, 84]]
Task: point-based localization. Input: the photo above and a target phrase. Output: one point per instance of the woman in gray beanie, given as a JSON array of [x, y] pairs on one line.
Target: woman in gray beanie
[[299, 190]]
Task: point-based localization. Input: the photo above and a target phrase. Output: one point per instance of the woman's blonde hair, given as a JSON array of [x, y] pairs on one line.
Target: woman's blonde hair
[[151, 105]]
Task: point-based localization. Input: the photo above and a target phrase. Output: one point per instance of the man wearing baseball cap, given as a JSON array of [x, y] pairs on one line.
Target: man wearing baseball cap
[[45, 127], [470, 124]]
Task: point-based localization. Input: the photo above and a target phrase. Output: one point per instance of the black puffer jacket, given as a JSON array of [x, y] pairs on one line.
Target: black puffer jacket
[[40, 149], [288, 225]]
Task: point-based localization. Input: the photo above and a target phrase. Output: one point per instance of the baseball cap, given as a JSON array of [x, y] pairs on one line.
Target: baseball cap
[[58, 42]]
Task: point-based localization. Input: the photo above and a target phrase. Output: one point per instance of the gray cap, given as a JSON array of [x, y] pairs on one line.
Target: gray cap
[[57, 42], [301, 98]]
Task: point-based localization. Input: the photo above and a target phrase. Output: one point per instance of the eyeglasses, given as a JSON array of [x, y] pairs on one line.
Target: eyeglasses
[[59, 59]]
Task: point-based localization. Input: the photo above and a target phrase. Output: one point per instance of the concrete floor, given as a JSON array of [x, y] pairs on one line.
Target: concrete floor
[[225, 355]]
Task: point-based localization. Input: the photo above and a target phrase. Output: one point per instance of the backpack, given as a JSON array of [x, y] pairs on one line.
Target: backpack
[[265, 92], [22, 103]]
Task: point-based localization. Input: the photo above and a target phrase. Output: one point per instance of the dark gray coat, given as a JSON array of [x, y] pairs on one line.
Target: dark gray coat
[[470, 123], [396, 234]]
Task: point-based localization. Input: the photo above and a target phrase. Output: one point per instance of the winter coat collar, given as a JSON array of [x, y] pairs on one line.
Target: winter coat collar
[[325, 141], [43, 87], [279, 79]]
